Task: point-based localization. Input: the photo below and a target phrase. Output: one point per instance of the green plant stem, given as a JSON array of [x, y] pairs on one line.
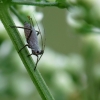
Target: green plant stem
[[35, 3], [17, 14], [27, 61], [60, 4]]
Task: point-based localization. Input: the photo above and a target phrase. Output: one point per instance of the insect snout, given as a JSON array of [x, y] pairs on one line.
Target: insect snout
[[40, 52]]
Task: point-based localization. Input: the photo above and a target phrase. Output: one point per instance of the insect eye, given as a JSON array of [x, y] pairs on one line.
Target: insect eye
[[37, 51]]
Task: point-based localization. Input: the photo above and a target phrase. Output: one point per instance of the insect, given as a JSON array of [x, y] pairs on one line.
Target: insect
[[32, 40]]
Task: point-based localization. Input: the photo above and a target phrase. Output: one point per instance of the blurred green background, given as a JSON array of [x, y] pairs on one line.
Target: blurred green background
[[71, 62]]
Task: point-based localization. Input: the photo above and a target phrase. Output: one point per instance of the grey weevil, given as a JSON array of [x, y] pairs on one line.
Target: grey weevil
[[32, 40]]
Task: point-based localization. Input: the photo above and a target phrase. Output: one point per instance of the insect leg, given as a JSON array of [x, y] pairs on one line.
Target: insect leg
[[33, 53], [29, 54], [37, 32], [19, 27], [36, 63], [23, 47]]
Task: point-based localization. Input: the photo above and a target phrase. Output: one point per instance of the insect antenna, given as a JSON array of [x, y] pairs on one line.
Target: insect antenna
[[31, 21], [43, 47], [39, 32], [43, 43]]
